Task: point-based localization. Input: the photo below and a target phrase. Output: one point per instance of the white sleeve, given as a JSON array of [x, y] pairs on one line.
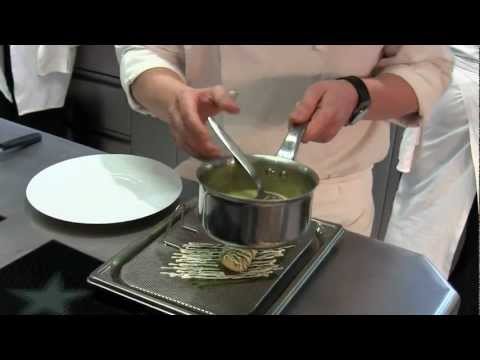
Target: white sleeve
[[426, 68], [136, 59]]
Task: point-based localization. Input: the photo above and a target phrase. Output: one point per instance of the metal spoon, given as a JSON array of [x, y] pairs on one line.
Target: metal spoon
[[237, 152]]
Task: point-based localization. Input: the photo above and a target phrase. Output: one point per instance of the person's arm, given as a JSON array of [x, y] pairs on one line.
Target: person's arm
[[391, 97], [150, 74], [153, 79], [427, 69], [155, 90], [403, 88]]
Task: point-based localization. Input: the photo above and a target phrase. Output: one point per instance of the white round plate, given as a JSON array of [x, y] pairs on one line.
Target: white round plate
[[104, 189]]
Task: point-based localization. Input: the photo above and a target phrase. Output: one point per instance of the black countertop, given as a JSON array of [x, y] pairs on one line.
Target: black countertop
[[361, 275]]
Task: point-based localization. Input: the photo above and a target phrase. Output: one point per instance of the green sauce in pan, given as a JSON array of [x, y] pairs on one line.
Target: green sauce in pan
[[281, 180], [249, 194]]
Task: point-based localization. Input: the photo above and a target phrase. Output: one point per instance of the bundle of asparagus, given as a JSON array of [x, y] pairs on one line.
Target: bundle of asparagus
[[196, 260]]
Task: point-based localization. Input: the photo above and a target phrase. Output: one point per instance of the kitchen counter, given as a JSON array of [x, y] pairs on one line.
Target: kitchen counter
[[361, 275]]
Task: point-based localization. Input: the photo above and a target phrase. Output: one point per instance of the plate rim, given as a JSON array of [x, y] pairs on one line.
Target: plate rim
[[28, 190]]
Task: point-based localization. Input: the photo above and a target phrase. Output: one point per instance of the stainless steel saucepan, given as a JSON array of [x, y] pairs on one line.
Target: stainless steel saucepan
[[231, 212]]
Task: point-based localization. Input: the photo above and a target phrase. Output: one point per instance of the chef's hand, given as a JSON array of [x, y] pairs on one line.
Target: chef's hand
[[188, 112], [327, 106]]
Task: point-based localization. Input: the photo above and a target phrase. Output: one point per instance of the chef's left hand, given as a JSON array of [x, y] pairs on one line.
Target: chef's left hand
[[327, 106]]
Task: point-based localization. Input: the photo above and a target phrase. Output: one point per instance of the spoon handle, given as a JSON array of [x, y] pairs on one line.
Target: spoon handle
[[234, 149]]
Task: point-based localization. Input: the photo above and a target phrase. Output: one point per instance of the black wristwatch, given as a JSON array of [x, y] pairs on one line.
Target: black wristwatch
[[363, 99]]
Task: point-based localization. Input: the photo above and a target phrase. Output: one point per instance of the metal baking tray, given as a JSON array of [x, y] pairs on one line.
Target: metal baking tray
[[134, 272]]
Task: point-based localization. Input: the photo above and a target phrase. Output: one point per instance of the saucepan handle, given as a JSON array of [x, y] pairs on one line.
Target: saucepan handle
[[292, 141]]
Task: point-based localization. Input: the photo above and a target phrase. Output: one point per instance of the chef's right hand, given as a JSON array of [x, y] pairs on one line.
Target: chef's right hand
[[188, 113]]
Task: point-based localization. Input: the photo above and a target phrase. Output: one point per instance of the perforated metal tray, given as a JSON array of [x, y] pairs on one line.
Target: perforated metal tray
[[134, 273]]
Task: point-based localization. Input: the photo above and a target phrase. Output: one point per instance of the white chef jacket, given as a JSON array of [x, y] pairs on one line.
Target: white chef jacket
[[41, 76], [271, 79], [440, 163]]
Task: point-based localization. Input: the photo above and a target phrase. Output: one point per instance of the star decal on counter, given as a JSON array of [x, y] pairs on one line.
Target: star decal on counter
[[53, 298]]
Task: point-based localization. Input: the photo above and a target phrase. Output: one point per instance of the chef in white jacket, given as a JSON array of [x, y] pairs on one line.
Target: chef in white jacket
[[182, 84], [34, 79], [440, 166]]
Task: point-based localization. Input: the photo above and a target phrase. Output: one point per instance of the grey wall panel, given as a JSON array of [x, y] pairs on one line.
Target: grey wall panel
[[381, 173], [181, 156], [99, 106], [98, 58], [109, 145], [392, 185], [151, 138]]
